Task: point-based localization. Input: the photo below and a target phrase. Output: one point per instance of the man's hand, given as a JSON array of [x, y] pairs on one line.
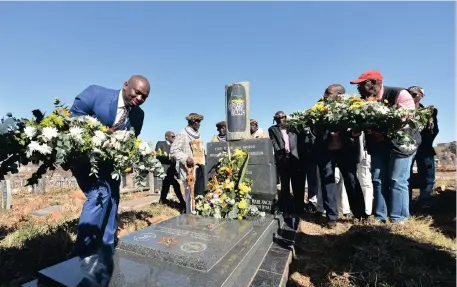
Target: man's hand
[[189, 162]]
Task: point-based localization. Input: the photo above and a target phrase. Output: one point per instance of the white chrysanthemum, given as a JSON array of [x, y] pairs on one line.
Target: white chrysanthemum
[[117, 146], [144, 148], [120, 135], [49, 133], [76, 133], [101, 135], [45, 149], [41, 148], [91, 120], [33, 146], [30, 132], [96, 141]]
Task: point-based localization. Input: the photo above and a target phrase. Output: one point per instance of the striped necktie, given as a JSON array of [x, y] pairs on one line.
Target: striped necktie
[[121, 123]]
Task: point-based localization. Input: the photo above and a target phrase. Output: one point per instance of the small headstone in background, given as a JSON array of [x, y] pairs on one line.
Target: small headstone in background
[[47, 210], [5, 189]]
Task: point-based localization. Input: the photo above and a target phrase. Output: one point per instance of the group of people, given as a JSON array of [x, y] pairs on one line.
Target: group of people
[[356, 173], [181, 152], [370, 165]]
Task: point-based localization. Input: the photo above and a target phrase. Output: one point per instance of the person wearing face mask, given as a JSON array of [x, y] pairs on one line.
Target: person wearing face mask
[[390, 163], [222, 132], [284, 140], [189, 151], [425, 156], [120, 110]]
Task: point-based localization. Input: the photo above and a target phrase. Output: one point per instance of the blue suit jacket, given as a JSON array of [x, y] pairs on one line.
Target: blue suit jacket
[[101, 103]]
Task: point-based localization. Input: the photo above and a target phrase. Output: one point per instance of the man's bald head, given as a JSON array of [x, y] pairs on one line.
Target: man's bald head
[[334, 90], [136, 91], [170, 136]]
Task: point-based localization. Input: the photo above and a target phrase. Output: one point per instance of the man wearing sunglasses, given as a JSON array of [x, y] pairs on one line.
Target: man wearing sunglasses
[[169, 164], [390, 164], [425, 156]]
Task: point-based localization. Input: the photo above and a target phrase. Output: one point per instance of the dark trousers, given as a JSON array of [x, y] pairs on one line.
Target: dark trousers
[[425, 176], [289, 172], [168, 181], [309, 173], [348, 166]]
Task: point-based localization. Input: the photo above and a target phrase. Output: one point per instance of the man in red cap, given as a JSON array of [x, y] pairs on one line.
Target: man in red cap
[[390, 163]]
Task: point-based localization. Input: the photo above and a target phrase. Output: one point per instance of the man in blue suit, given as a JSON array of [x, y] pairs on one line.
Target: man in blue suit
[[119, 109]]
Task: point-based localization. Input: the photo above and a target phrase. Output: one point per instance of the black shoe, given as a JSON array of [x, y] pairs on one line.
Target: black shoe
[[163, 201], [331, 224]]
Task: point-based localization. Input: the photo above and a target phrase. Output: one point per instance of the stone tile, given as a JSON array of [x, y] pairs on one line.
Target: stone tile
[[138, 203], [47, 210], [266, 279], [276, 261]]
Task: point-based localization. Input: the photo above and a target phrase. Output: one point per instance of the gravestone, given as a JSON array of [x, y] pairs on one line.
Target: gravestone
[[237, 111], [5, 192], [190, 250], [261, 168]]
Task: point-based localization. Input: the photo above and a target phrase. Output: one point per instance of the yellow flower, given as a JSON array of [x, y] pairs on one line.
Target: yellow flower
[[242, 204], [244, 188], [238, 153], [386, 101], [104, 129], [355, 105], [228, 185], [240, 217], [206, 206], [129, 169], [137, 143]]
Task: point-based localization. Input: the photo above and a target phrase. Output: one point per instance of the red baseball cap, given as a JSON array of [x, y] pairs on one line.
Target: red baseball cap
[[368, 75]]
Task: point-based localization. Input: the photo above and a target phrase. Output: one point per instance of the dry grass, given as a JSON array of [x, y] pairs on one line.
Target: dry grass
[[420, 252], [29, 243]]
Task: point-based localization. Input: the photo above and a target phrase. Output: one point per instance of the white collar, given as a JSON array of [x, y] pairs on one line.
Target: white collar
[[120, 102], [168, 142]]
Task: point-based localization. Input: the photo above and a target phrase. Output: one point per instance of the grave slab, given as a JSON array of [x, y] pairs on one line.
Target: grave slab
[[47, 210], [191, 241], [239, 267]]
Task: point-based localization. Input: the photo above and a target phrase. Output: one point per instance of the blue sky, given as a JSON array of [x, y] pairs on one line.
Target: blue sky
[[290, 52]]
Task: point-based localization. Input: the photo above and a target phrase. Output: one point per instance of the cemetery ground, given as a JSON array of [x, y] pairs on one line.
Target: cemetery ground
[[418, 253]]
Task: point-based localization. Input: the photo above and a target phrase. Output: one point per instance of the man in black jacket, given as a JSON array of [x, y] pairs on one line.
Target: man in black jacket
[[284, 140], [169, 164], [425, 156], [338, 148]]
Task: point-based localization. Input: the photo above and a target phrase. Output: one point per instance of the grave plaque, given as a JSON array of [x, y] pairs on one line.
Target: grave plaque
[[260, 151], [263, 201]]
